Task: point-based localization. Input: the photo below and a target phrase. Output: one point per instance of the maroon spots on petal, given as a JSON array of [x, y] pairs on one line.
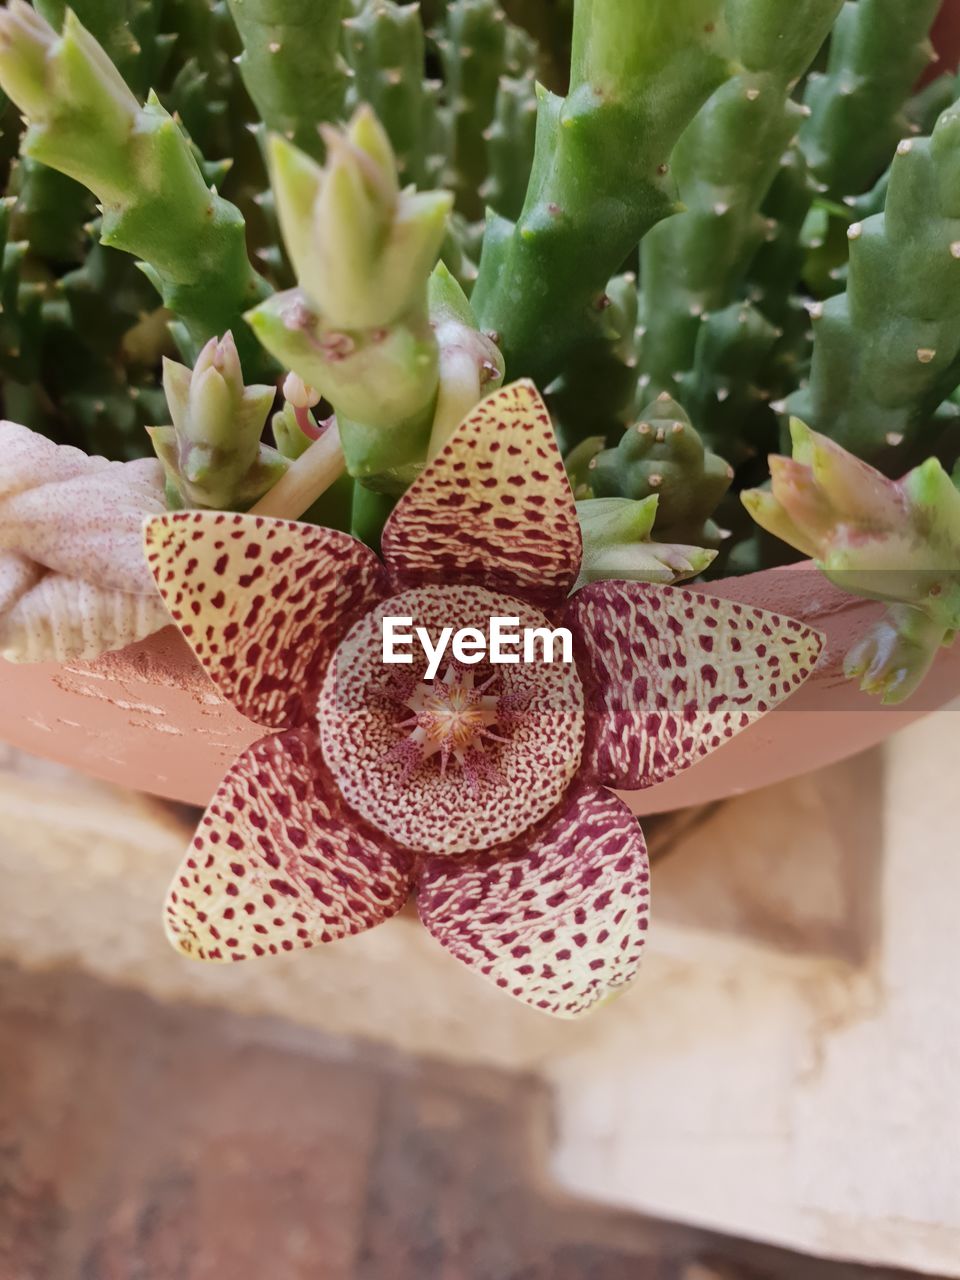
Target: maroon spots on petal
[[701, 668], [361, 882], [595, 851]]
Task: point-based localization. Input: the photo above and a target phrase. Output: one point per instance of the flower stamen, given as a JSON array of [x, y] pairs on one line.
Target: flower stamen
[[452, 717]]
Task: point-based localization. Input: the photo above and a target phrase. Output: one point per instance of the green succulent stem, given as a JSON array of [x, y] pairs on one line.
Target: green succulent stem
[[877, 52], [127, 30], [662, 456], [477, 47], [694, 263], [85, 122], [600, 177], [887, 350], [386, 49], [510, 140], [306, 479], [291, 65]]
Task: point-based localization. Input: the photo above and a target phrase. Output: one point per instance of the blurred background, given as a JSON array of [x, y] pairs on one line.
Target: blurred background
[[775, 1097]]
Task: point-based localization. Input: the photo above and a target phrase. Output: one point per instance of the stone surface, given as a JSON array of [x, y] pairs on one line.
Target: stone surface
[[147, 1142]]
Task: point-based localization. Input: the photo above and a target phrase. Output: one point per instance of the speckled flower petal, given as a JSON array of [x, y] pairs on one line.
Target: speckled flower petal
[[494, 508], [560, 923], [277, 863], [671, 675], [262, 602]]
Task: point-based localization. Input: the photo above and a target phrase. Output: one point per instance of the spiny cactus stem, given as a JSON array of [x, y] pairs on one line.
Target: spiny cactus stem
[[291, 65], [600, 177], [305, 480], [694, 264]]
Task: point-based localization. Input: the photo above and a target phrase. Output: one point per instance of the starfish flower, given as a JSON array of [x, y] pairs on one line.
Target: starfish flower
[[485, 790]]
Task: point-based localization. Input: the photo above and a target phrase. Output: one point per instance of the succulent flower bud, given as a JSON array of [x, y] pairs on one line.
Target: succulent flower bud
[[212, 454], [470, 363], [362, 248], [26, 41], [896, 540], [45, 73], [893, 540], [297, 393]]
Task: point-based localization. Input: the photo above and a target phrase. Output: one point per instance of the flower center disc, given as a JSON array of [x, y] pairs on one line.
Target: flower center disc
[[461, 763]]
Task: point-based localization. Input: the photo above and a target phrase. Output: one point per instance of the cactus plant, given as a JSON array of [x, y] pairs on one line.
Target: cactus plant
[[693, 264], [86, 122], [886, 348], [291, 65], [857, 104], [395, 208], [662, 455], [212, 455]]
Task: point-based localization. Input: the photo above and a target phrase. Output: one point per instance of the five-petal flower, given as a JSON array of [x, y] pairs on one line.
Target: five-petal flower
[[483, 792]]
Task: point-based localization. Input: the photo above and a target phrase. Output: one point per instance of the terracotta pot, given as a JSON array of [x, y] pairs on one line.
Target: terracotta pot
[[148, 718]]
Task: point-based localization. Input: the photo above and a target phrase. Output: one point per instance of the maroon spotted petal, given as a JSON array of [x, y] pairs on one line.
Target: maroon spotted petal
[[262, 602], [559, 923], [494, 508], [671, 675], [277, 863]]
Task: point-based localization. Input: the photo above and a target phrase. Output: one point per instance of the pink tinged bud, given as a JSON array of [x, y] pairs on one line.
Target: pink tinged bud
[[856, 492], [297, 393], [362, 249], [805, 506], [771, 516], [222, 355]]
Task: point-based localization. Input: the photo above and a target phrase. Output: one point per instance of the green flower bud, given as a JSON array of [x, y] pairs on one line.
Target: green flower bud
[[212, 455], [362, 248], [26, 42]]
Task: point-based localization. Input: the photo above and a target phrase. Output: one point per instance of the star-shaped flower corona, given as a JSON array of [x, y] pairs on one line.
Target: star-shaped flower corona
[[482, 791]]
